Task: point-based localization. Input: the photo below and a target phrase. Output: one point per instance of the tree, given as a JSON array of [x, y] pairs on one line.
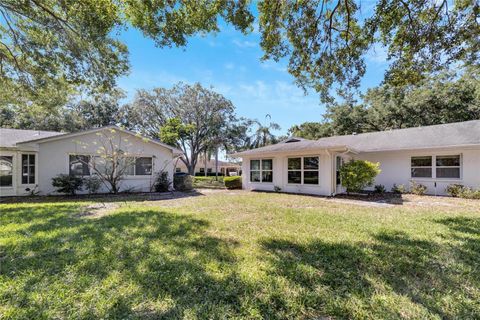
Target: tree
[[326, 42], [311, 130], [443, 98], [187, 116], [358, 174], [263, 134]]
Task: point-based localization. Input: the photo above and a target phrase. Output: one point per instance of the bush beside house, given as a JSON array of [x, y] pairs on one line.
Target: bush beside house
[[358, 174], [234, 182]]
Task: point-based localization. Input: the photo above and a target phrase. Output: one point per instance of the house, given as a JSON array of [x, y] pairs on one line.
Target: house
[[435, 156], [224, 167], [29, 159]]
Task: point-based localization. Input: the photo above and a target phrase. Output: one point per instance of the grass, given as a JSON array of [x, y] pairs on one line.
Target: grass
[[208, 182], [249, 255]]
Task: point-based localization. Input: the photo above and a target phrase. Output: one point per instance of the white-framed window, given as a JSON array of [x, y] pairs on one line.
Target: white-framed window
[[82, 165], [28, 168], [436, 166], [421, 167], [6, 171], [261, 170], [79, 165], [447, 166], [303, 170]]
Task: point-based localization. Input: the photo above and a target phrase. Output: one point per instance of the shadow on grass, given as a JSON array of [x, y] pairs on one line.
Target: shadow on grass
[[104, 197], [134, 261], [433, 279]]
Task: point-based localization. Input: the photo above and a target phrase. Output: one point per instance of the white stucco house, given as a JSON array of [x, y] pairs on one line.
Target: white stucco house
[[435, 156], [29, 159]]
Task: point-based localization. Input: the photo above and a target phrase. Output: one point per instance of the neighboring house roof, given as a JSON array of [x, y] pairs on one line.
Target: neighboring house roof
[[211, 163], [437, 136], [10, 137], [32, 138]]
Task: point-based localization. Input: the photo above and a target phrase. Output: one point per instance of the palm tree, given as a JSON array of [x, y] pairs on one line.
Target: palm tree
[[263, 135]]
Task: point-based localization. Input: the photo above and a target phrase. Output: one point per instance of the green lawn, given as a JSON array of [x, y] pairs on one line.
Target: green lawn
[[208, 182], [249, 255]]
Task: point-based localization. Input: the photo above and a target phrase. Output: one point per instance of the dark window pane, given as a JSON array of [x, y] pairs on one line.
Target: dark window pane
[[24, 159], [31, 159], [6, 171], [294, 163], [143, 166], [202, 170], [255, 176], [209, 170], [421, 172], [254, 164], [79, 165], [267, 164], [448, 172], [295, 177], [267, 176], [178, 170], [448, 161], [421, 161], [310, 163], [310, 177], [24, 179]]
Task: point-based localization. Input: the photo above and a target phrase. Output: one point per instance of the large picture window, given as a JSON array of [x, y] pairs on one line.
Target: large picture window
[[447, 167], [143, 166], [6, 171], [28, 168], [303, 170], [261, 170]]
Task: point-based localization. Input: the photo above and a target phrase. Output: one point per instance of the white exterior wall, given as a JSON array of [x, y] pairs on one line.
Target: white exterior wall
[[52, 159], [280, 175], [396, 168]]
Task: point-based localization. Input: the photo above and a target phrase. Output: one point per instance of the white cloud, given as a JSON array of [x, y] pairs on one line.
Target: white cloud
[[229, 66], [377, 54], [244, 43], [273, 65]]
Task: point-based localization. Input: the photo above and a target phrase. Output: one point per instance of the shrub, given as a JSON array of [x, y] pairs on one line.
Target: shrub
[[233, 182], [92, 184], [380, 188], [162, 182], [65, 183], [417, 188], [358, 174], [454, 190], [469, 193], [277, 189], [400, 188], [183, 182]]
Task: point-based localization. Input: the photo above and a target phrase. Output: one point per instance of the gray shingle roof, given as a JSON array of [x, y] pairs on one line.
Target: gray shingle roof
[[10, 137], [437, 136]]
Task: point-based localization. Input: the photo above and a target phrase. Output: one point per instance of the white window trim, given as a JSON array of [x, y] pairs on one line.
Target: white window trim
[[434, 167], [29, 165], [302, 170], [14, 158], [260, 170]]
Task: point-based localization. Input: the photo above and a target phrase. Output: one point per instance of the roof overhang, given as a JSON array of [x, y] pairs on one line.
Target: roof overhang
[[249, 153]]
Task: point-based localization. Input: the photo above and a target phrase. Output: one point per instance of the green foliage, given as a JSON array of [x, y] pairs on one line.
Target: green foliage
[[417, 188], [174, 130], [469, 193], [399, 188], [311, 130], [358, 174], [263, 134], [234, 182], [92, 184], [380, 189], [162, 182], [183, 182], [68, 184], [454, 189]]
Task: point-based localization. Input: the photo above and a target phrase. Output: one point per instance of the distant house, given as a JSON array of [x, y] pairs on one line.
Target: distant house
[[435, 156], [29, 159], [224, 167]]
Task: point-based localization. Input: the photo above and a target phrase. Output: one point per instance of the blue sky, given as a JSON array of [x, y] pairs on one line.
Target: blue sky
[[230, 62]]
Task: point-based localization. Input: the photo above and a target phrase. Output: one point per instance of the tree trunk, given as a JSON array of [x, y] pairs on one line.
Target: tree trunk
[[205, 162], [216, 164]]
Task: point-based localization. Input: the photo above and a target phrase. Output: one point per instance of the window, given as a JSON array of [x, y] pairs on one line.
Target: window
[[339, 164], [79, 165], [261, 170], [439, 167], [448, 166], [178, 170], [209, 170], [6, 171], [28, 168], [143, 166], [303, 170], [295, 170], [421, 167]]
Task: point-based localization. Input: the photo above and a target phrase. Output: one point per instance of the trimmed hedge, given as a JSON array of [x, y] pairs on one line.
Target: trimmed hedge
[[233, 182]]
